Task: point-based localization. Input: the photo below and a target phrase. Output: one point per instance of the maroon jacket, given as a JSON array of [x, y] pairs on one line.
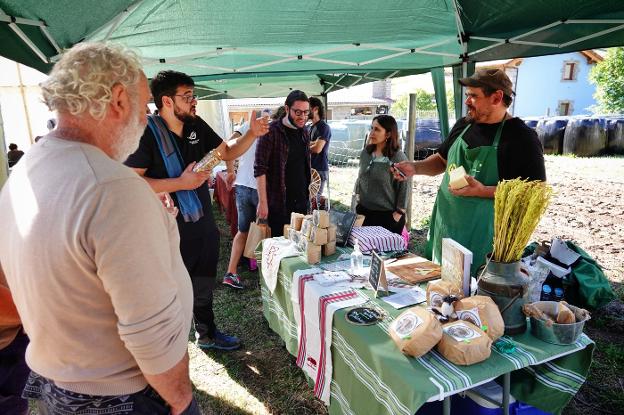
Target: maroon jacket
[[271, 157]]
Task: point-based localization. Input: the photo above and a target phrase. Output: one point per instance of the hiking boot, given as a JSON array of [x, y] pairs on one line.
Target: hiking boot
[[220, 341], [233, 281]]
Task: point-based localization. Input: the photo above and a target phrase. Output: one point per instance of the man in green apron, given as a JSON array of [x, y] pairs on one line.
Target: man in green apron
[[491, 145]]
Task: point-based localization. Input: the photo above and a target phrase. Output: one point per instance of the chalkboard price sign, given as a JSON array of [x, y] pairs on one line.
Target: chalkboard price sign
[[377, 276], [363, 316]]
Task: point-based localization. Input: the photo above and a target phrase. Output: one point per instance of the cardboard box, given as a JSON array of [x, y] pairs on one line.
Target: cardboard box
[[329, 248], [359, 221], [312, 253], [331, 233], [306, 227], [295, 220], [320, 218], [318, 235]]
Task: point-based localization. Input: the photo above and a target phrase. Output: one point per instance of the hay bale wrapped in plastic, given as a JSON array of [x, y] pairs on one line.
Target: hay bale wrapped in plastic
[[585, 137], [550, 132], [615, 135]]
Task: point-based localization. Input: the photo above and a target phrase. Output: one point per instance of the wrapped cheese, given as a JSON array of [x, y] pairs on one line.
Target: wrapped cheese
[[329, 248], [463, 343], [457, 178], [312, 252], [438, 289], [320, 218], [296, 220], [483, 312], [331, 233], [318, 235], [416, 331], [306, 227], [359, 221], [564, 314], [286, 232]]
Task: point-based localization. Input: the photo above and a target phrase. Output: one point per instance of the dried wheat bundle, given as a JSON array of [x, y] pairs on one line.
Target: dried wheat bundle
[[518, 207]]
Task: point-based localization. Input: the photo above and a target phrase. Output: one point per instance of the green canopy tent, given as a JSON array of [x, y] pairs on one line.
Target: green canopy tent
[[247, 48]]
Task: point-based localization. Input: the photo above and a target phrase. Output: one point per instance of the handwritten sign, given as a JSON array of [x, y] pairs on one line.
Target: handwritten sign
[[363, 316], [377, 276]]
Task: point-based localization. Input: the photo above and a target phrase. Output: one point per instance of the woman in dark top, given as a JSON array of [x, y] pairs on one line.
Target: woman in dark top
[[381, 198]]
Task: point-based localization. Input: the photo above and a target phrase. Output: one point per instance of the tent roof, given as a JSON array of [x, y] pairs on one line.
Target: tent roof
[[237, 48]]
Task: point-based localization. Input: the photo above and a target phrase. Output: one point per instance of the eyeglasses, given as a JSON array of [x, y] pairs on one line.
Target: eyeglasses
[[187, 98], [299, 113]]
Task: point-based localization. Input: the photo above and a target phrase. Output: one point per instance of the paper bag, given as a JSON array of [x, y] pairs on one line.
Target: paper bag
[[258, 231], [416, 331]]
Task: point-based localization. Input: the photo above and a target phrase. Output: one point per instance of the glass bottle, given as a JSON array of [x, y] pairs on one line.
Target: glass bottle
[[357, 259], [208, 162]]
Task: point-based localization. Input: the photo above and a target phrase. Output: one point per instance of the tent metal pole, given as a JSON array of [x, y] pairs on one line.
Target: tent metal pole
[[201, 65], [46, 33], [19, 20], [119, 20], [594, 21], [261, 65], [604, 32], [335, 83], [411, 135], [539, 29], [28, 42], [4, 162], [314, 58], [384, 58]]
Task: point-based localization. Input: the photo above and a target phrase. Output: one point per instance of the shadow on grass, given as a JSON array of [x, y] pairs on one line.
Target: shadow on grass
[[263, 368]]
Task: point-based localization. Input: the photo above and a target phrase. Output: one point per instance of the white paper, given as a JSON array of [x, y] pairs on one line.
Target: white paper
[[560, 251], [410, 297], [330, 278]]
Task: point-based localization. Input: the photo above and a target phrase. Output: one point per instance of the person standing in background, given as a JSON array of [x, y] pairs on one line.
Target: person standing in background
[[320, 134], [246, 202]]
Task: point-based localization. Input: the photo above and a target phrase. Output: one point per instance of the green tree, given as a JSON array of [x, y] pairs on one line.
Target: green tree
[[424, 101], [608, 76]]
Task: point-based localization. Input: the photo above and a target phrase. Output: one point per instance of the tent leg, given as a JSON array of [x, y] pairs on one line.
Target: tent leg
[[4, 162], [439, 86], [411, 136]]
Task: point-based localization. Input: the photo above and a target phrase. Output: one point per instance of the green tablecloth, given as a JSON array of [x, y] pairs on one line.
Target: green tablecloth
[[371, 376]]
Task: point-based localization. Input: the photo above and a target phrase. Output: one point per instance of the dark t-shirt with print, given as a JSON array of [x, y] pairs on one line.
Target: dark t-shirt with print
[[296, 190], [320, 130], [197, 140], [520, 152]]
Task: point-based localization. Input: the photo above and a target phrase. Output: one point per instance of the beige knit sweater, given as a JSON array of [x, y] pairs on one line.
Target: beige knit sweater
[[93, 263]]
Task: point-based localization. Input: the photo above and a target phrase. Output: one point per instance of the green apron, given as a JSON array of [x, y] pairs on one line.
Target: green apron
[[467, 220]]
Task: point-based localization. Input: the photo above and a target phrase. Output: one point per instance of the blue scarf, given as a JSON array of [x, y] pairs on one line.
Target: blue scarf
[[190, 206]]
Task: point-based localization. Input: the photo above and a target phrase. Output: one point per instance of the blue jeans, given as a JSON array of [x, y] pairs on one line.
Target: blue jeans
[[246, 205]]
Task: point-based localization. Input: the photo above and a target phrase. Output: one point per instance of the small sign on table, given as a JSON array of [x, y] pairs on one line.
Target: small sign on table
[[377, 276]]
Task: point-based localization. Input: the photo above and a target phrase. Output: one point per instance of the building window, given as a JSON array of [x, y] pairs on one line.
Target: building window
[[569, 71], [564, 108]]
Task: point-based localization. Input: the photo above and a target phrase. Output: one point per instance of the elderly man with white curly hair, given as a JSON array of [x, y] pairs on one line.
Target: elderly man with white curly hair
[[90, 255]]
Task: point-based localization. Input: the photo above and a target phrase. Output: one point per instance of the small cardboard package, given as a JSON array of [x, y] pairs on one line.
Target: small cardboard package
[[312, 252], [318, 235], [320, 218], [483, 312], [306, 227], [329, 248], [359, 221], [437, 290], [296, 219], [463, 343], [416, 331], [331, 233]]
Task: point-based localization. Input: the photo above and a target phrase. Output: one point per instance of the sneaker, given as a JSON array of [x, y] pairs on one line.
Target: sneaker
[[220, 341], [233, 281]]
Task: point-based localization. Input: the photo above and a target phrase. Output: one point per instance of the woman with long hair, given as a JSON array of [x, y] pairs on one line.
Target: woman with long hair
[[381, 198]]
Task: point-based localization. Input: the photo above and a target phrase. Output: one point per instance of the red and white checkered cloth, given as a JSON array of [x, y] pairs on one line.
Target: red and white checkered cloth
[[377, 238]]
